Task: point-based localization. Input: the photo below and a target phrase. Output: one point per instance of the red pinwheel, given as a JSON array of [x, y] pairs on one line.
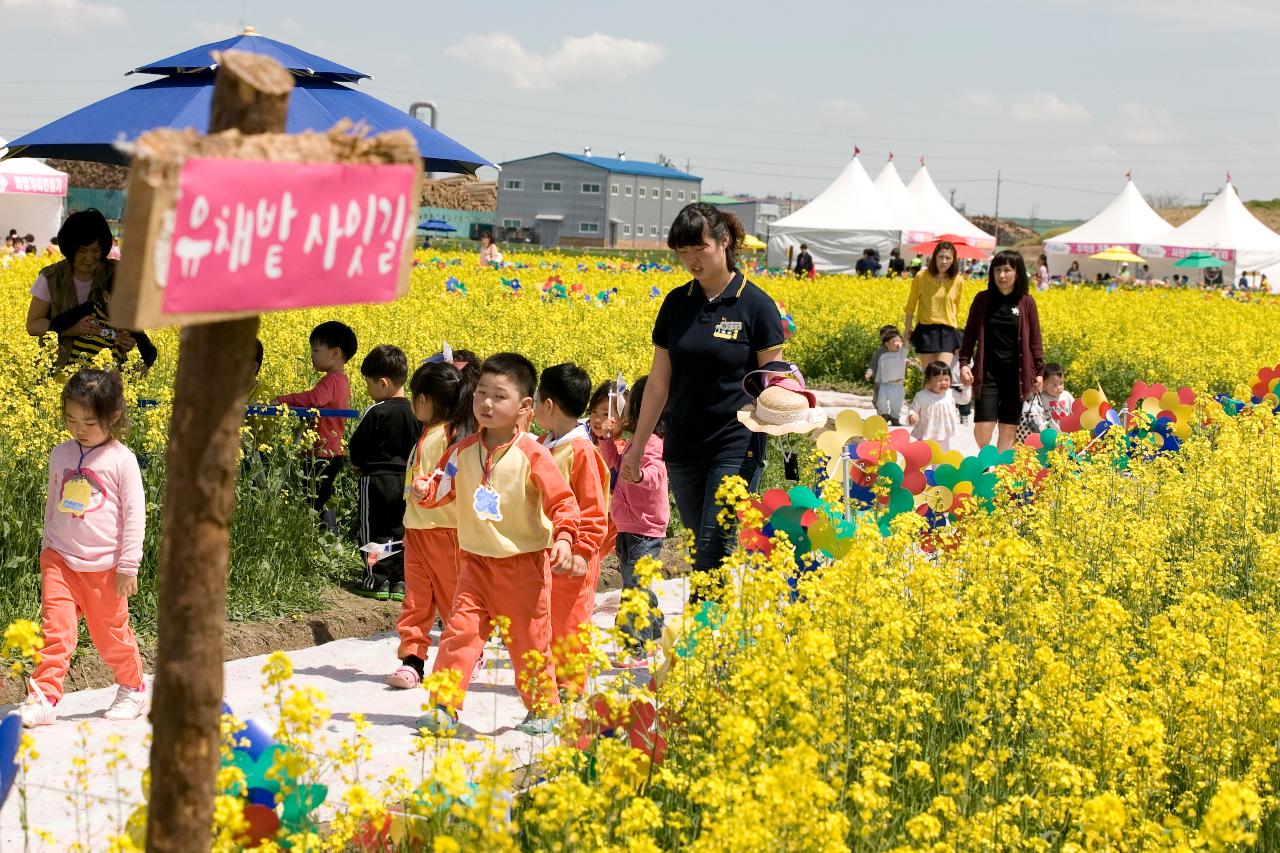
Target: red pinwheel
[[638, 723]]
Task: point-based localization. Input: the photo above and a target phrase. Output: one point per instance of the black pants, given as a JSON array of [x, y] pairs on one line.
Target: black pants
[[322, 472], [382, 520], [1000, 399]]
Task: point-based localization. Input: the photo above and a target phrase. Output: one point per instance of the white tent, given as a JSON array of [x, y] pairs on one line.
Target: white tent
[[32, 198], [1227, 229], [938, 216], [846, 218], [902, 204], [1127, 221]]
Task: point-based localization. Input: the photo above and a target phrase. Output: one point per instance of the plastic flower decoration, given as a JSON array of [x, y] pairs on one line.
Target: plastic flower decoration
[[1264, 390], [268, 777], [849, 427], [511, 284], [454, 286], [637, 723], [1159, 403], [1091, 412]]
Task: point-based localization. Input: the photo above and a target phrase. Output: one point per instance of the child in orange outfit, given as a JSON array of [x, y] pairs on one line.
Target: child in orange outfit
[[441, 397], [517, 522], [94, 521], [563, 394]]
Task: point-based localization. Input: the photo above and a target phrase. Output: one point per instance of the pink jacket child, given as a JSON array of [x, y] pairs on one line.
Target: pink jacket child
[[640, 511], [94, 521]]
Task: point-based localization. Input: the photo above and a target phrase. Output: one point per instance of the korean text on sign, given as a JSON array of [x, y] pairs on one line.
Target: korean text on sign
[[252, 235]]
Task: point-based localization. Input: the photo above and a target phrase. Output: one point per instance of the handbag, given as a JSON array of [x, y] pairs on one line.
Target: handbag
[[1035, 418]]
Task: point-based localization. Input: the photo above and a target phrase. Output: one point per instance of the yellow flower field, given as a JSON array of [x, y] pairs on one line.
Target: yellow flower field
[[1094, 669]]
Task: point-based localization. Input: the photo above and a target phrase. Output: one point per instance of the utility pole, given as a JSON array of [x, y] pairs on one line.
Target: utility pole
[[953, 196], [997, 235]]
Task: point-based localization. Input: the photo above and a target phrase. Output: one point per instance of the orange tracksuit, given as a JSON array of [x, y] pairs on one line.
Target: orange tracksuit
[[430, 552], [572, 596], [512, 505]]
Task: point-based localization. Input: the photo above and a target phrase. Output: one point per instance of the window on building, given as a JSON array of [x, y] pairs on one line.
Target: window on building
[[666, 230], [591, 188], [626, 230], [680, 195], [667, 195], [627, 191], [512, 184], [653, 230], [654, 192], [511, 223], [588, 227], [642, 192], [551, 186], [613, 190]]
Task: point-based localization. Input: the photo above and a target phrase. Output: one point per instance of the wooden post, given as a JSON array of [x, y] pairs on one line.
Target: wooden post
[[252, 95]]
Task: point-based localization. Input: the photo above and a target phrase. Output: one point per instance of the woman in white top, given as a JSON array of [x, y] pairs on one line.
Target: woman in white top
[[489, 253]]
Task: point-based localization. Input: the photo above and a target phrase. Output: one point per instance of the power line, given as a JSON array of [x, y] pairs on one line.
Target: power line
[[848, 136]]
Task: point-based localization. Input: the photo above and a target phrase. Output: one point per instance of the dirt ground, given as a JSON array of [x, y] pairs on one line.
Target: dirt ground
[[348, 615]]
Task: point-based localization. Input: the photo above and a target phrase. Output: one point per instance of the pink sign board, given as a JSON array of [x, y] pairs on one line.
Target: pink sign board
[[252, 235], [17, 182]]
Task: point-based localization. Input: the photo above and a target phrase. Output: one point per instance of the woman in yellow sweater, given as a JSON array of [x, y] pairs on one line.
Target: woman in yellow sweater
[[935, 292]]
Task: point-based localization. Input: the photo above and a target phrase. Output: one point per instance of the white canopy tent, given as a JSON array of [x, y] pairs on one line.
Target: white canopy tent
[[1126, 221], [1228, 230], [847, 217], [938, 216], [32, 198], [902, 204]]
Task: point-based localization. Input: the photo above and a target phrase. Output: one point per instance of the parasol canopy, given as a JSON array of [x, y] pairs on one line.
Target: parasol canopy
[[1200, 260], [1117, 253]]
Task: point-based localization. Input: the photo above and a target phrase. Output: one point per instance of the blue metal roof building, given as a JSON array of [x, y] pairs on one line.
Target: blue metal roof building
[[579, 200]]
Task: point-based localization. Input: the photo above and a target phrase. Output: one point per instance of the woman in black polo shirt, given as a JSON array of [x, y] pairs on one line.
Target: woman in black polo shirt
[[709, 334]]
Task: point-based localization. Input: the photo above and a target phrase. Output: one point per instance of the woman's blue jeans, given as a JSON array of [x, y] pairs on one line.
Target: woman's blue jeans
[[694, 485]]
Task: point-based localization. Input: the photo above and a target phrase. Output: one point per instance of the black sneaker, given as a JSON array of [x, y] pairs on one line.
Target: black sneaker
[[397, 591], [384, 592]]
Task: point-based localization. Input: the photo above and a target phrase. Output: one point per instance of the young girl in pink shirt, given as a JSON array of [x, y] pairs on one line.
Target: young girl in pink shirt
[[94, 520], [640, 511]]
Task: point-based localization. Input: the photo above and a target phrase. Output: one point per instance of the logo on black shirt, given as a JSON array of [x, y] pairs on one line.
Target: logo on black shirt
[[727, 330]]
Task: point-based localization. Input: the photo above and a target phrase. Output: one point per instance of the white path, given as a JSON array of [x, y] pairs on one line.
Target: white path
[[349, 672]]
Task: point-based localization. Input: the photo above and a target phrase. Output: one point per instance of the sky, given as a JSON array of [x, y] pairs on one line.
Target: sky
[[1060, 97]]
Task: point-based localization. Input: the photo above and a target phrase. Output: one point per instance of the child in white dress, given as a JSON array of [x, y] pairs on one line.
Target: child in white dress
[[933, 412]]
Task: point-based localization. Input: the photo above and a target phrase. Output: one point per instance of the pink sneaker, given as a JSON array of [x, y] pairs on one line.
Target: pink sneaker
[[404, 678]]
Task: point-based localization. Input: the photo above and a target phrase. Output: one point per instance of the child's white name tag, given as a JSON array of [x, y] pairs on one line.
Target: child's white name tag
[[487, 504]]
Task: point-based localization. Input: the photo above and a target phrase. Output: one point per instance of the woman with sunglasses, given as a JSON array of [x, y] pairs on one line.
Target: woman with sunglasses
[[709, 334]]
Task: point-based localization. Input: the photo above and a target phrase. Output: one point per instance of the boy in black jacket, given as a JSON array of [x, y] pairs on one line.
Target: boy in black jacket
[[379, 452]]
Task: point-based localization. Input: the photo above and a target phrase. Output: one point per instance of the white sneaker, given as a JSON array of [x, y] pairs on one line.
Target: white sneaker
[[128, 705], [37, 711]]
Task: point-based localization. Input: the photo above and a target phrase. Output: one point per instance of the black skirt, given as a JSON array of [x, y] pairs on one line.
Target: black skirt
[[935, 338]]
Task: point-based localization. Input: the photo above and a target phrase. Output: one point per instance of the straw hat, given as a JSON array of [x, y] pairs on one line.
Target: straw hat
[[783, 406]]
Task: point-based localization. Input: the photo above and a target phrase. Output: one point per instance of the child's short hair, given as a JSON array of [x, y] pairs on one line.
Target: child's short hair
[[386, 361], [335, 334], [601, 394], [889, 334], [102, 393], [1052, 368], [515, 367], [568, 386], [258, 355], [936, 368], [450, 391], [631, 418]]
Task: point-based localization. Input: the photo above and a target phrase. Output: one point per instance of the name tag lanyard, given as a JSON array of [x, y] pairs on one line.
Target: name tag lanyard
[[486, 502]]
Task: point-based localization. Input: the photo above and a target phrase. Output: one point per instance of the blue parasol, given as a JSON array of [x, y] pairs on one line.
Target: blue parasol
[[436, 225], [183, 99], [293, 59]]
